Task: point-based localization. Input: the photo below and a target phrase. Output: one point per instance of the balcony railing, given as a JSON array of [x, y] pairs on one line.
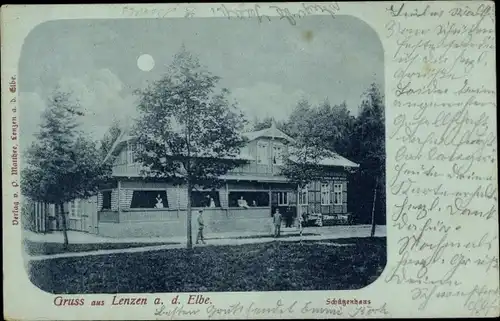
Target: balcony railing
[[127, 170], [257, 169], [252, 169]]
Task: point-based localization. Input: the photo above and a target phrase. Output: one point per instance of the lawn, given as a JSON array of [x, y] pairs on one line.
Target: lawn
[[273, 266], [39, 248]]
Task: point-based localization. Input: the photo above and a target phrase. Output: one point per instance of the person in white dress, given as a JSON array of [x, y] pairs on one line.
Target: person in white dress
[[159, 202], [242, 203]]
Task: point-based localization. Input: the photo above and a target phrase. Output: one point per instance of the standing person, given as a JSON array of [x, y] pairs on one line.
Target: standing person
[[289, 219], [277, 223], [201, 226], [285, 217], [270, 223]]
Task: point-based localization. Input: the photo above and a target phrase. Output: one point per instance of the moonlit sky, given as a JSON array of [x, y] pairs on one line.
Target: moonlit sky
[[268, 67]]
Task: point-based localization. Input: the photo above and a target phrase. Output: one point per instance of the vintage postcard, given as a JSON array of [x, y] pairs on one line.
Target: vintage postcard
[[249, 161]]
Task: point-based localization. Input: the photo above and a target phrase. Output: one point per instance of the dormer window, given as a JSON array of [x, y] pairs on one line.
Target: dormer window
[[278, 154], [130, 153], [262, 153]]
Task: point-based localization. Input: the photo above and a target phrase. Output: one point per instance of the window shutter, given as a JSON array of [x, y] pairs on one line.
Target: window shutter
[[99, 201]]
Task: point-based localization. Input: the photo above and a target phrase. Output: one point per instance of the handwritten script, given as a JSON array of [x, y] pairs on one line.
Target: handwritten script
[[443, 141], [240, 12], [280, 12], [278, 309]]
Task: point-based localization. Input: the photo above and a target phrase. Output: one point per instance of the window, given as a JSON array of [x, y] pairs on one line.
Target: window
[[149, 199], [282, 198], [205, 199], [337, 194], [303, 199], [278, 155], [325, 194], [106, 200], [262, 154], [73, 208], [248, 199], [130, 153]]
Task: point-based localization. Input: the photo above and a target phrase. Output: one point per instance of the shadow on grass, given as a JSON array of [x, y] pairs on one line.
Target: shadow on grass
[[47, 248], [272, 266]]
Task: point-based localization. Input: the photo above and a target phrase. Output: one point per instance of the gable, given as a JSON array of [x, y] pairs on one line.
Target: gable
[[269, 133]]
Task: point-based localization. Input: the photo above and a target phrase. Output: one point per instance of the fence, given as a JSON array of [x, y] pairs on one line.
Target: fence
[[37, 217], [41, 217]]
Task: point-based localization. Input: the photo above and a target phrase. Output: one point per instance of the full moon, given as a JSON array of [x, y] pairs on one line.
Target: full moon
[[145, 62]]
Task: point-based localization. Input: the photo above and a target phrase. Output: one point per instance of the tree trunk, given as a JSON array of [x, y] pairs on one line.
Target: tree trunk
[[188, 217], [63, 224], [372, 234]]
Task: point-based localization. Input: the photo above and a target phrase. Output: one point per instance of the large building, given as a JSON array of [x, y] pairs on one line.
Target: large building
[[131, 206]]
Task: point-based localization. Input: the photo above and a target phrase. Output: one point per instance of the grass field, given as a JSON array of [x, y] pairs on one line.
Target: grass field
[[276, 266]]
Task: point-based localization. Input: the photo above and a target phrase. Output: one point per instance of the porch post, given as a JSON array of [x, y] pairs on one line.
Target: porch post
[[119, 200], [298, 202], [226, 209], [36, 220], [178, 196], [44, 217], [227, 195]]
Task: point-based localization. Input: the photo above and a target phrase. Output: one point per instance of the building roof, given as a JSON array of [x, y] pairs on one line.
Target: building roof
[[120, 140], [333, 159], [337, 160], [125, 137], [271, 132]]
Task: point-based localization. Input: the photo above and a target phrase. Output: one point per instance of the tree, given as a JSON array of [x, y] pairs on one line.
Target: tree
[[187, 131], [303, 164], [342, 119], [300, 117], [62, 164], [327, 126], [109, 138], [330, 123], [368, 149]]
